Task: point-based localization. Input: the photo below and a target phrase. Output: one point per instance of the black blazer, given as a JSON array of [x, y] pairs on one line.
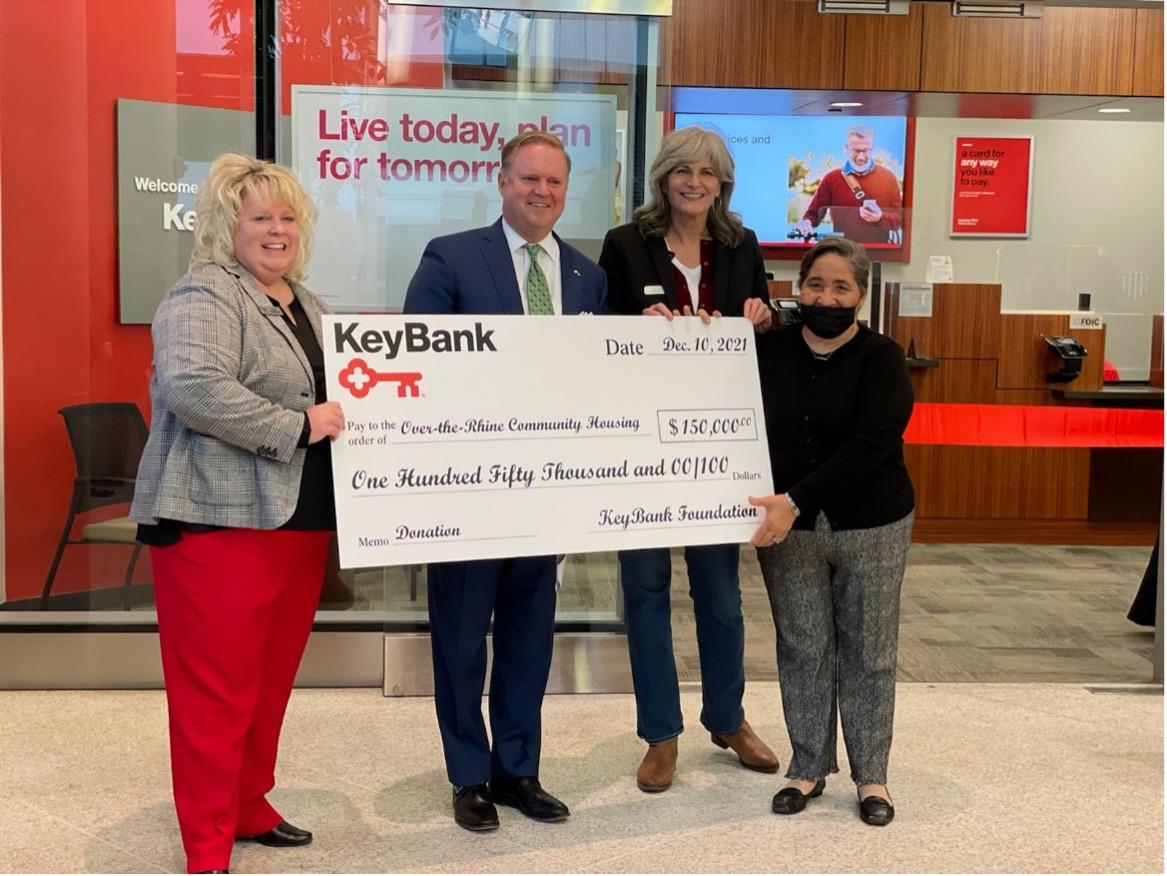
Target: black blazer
[[633, 261]]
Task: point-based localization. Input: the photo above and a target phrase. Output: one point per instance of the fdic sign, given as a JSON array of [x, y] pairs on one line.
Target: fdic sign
[[164, 152], [1086, 321]]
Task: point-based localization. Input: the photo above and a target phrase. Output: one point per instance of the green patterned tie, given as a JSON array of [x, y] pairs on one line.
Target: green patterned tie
[[538, 295]]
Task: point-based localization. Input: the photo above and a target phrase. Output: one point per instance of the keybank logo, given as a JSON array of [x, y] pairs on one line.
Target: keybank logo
[[358, 378], [412, 337]]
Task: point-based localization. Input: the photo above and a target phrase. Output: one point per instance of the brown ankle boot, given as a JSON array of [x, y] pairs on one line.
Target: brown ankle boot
[[656, 770], [750, 750]]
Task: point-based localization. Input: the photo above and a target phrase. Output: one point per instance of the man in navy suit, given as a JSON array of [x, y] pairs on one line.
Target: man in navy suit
[[515, 266]]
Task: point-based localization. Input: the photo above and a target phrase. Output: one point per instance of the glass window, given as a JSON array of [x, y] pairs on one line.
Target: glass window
[[98, 206], [394, 131], [110, 116]]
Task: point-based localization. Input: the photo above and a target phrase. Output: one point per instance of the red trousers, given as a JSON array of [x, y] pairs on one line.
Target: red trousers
[[235, 607]]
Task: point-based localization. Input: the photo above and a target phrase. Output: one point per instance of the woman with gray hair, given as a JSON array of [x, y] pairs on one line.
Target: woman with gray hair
[[686, 254], [234, 498], [834, 540]]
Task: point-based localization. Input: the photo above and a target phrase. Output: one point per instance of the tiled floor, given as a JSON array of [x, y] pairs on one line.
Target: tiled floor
[[1020, 747], [990, 613], [986, 778]]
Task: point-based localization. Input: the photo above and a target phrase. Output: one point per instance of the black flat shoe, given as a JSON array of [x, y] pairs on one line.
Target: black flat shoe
[[876, 811], [474, 809], [791, 801], [283, 835], [528, 796]]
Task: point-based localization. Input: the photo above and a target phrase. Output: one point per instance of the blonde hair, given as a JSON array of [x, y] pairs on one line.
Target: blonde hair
[[517, 142], [220, 198], [685, 146]]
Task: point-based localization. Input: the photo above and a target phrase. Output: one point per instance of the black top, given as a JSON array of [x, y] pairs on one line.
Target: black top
[[316, 505], [634, 262], [836, 426]]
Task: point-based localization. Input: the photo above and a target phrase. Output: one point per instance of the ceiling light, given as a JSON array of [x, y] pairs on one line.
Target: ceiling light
[[1114, 109], [846, 103]]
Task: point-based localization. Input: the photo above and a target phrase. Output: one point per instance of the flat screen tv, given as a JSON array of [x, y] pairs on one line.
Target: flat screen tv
[[800, 179], [485, 37]]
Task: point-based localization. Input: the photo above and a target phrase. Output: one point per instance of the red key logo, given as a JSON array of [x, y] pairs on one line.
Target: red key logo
[[358, 378]]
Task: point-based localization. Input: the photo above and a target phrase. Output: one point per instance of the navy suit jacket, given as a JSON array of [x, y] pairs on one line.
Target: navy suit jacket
[[473, 272]]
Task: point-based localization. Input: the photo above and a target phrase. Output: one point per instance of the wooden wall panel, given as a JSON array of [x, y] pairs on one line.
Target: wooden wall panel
[[1147, 76], [1025, 359], [979, 54], [957, 381], [1126, 484], [780, 288], [1069, 50], [1086, 50], [788, 44], [754, 44], [1004, 482], [964, 324], [1025, 397], [936, 530], [883, 51]]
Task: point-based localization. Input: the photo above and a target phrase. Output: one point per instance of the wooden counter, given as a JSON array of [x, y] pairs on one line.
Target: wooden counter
[[1016, 494]]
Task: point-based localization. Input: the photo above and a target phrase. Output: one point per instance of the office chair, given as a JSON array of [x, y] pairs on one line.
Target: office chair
[[107, 440]]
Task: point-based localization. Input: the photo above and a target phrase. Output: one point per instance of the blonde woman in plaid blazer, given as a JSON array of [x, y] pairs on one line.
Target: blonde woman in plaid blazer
[[234, 497]]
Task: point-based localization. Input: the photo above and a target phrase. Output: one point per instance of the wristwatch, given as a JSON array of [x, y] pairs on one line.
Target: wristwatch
[[793, 507]]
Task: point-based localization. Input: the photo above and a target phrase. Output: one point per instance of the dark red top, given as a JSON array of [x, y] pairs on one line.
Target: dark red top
[[705, 287]]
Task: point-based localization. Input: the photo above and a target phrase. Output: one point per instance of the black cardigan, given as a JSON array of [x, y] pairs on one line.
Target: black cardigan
[[633, 261], [835, 427]]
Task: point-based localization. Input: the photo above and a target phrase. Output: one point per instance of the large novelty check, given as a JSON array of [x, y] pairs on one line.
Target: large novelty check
[[471, 437]]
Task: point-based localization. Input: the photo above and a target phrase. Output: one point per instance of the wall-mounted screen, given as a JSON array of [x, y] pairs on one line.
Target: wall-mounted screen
[[486, 37], [800, 179]]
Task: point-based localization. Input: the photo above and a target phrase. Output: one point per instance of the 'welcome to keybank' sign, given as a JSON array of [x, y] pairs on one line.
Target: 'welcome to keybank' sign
[[164, 152]]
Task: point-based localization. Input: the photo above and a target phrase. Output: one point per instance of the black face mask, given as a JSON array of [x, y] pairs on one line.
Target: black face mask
[[826, 322]]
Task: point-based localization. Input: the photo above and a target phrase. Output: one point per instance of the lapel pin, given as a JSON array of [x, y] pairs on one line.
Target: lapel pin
[[576, 272]]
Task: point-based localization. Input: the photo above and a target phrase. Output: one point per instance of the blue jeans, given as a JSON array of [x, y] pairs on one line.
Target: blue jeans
[[717, 606]]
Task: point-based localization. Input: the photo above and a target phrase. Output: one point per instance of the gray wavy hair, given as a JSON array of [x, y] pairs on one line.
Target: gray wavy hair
[[685, 146]]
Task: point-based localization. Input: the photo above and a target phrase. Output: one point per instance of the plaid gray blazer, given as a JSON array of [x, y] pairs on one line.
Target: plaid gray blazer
[[228, 395]]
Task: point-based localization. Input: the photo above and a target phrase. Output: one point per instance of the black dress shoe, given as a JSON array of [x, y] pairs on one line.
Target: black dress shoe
[[213, 871], [791, 801], [528, 796], [876, 811], [473, 808], [283, 835]]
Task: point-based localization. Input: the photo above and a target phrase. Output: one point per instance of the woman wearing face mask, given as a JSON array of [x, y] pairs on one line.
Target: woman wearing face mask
[[834, 539]]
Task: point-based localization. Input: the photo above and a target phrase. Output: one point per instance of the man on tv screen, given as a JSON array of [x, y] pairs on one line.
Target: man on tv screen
[[863, 197]]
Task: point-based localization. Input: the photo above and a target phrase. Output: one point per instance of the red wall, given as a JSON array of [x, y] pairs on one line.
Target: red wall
[[61, 341], [61, 73]]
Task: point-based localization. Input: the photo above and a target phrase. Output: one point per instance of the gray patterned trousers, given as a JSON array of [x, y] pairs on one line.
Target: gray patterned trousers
[[836, 603]]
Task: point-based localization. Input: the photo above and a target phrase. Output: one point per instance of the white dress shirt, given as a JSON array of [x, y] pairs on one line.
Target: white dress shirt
[[548, 261]]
